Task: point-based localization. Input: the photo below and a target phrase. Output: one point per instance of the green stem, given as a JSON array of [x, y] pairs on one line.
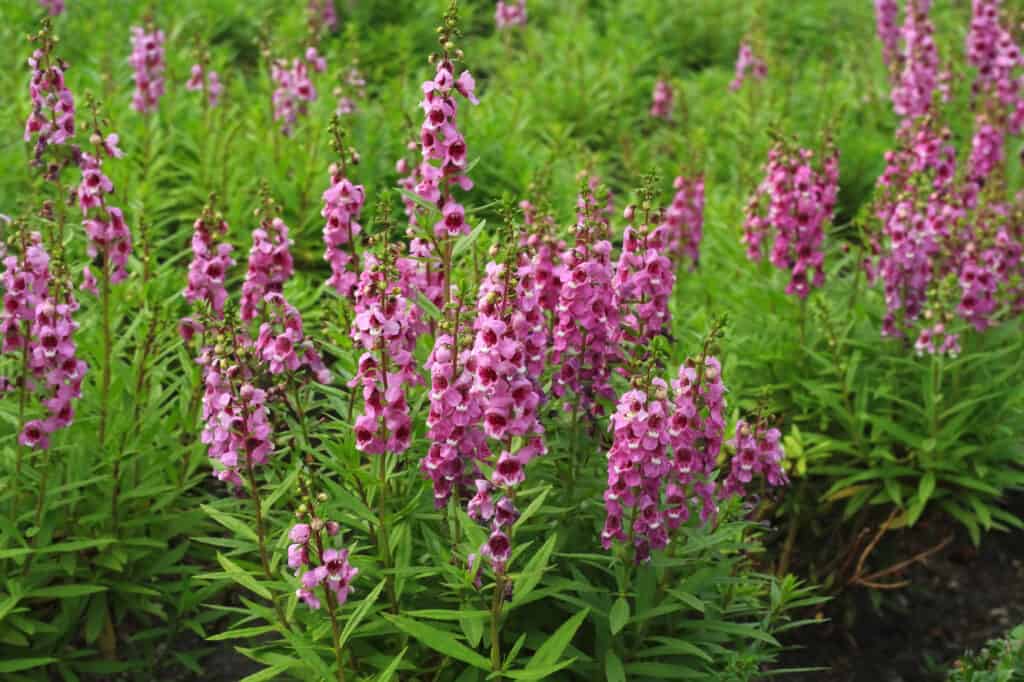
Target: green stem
[[261, 534], [22, 399], [383, 538], [496, 601], [107, 351]]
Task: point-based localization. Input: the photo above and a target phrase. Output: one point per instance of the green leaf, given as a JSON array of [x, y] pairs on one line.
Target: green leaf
[[533, 673], [428, 306], [925, 488], [619, 615], [555, 645], [96, 618], [66, 591], [236, 526], [473, 629], [19, 664], [533, 571], [468, 240], [240, 633], [270, 673], [613, 670], [389, 672], [440, 641], [357, 616], [242, 577], [665, 671]]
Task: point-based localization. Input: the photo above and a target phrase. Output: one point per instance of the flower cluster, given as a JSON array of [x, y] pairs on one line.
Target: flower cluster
[[919, 78], [584, 343], [25, 282], [236, 421], [54, 362], [747, 65], [270, 265], [210, 261], [507, 361], [353, 87], [281, 343], [887, 14], [684, 219], [661, 100], [440, 140], [545, 252], [912, 240], [453, 422], [52, 119], [54, 7], [510, 13], [109, 237], [794, 200], [205, 80], [639, 464], [386, 327], [343, 202], [644, 279], [328, 569], [148, 61], [991, 49], [323, 13], [696, 431], [758, 451], [294, 87], [36, 319]]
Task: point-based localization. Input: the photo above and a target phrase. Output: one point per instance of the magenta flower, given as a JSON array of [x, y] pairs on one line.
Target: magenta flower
[[36, 322], [758, 452], [294, 87], [748, 64], [206, 81], [441, 142], [794, 202], [328, 569], [919, 78], [638, 465], [52, 117], [323, 14], [643, 281], [270, 265], [584, 343], [887, 23], [148, 61], [453, 422], [343, 201], [993, 51], [510, 13], [210, 262], [54, 7], [684, 220], [386, 325], [281, 343], [507, 361], [109, 236], [661, 100]]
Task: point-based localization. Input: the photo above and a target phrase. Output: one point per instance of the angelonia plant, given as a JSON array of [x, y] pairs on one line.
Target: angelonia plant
[[509, 14], [794, 204], [949, 248], [661, 100], [748, 65], [466, 418], [149, 62]]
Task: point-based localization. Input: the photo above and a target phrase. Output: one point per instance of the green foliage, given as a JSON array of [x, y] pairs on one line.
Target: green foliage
[[1001, 660]]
